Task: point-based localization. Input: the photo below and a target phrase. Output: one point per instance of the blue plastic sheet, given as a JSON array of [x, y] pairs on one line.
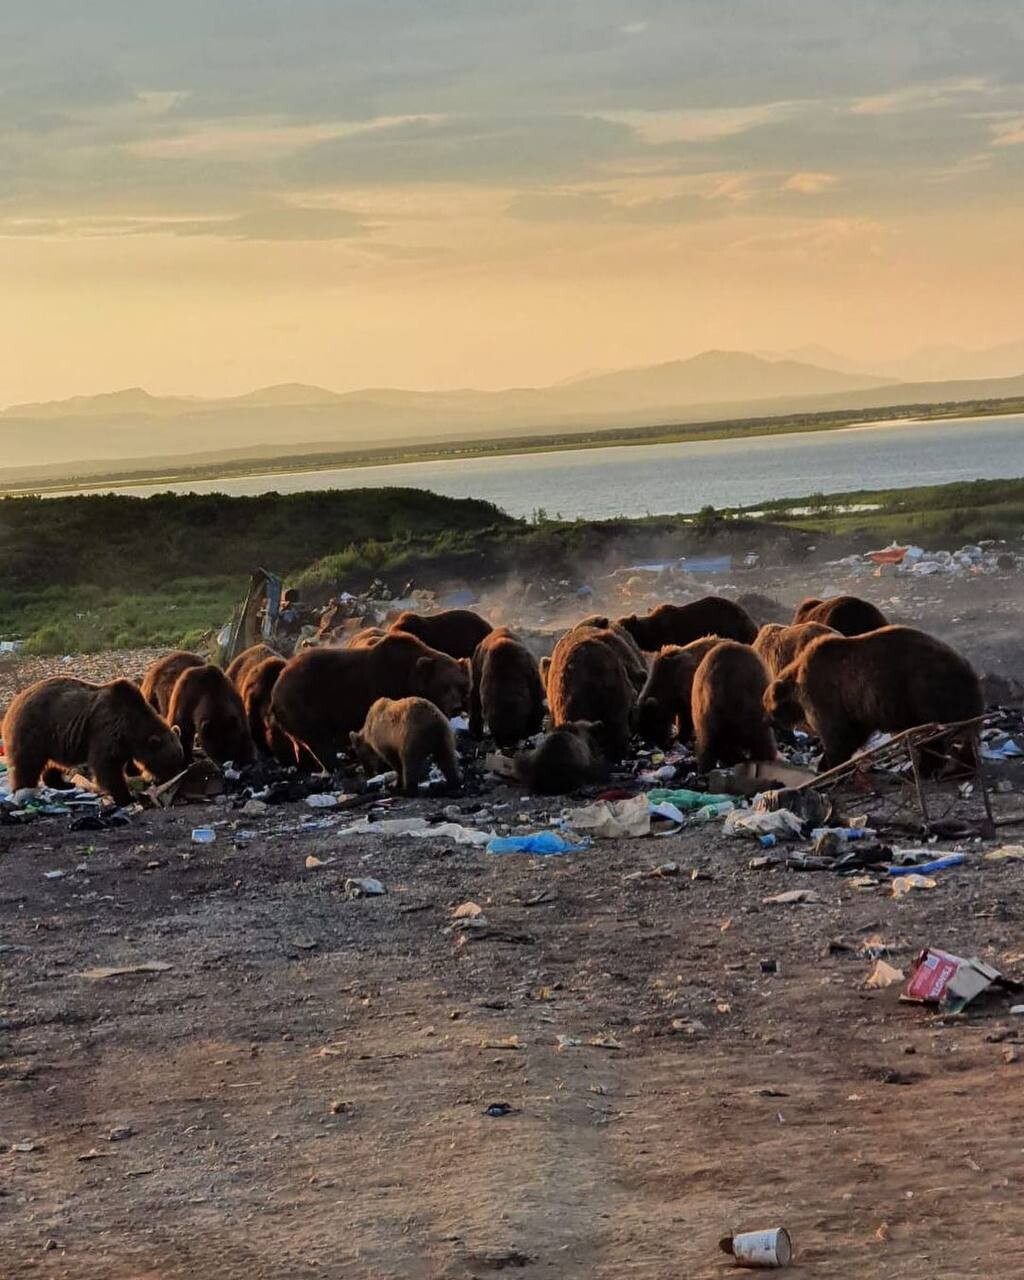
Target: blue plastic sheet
[[542, 842]]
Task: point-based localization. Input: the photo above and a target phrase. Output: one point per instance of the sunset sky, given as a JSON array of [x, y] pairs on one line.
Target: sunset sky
[[210, 195]]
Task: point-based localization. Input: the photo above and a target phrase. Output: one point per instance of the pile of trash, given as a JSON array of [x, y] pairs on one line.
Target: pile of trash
[[986, 558]]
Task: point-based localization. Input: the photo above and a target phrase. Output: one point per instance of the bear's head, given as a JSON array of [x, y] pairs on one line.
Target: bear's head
[[444, 681], [782, 699]]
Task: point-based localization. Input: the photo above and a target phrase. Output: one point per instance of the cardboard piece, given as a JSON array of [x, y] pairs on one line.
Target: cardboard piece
[[950, 981]]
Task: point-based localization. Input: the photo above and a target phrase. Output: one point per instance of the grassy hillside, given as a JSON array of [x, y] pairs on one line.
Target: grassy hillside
[[97, 572]]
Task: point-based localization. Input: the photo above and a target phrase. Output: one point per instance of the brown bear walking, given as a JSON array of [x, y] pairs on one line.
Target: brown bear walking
[[161, 677], [568, 758], [207, 710], [456, 632], [322, 695], [507, 693], [777, 645], [666, 699], [66, 723], [729, 721], [847, 688], [405, 734], [239, 667], [683, 623], [588, 681], [849, 615]]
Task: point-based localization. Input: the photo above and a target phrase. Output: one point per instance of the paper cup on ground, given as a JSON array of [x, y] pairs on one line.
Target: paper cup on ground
[[760, 1248]]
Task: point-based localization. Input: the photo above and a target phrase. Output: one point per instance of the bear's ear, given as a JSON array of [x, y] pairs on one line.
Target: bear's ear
[[651, 702], [176, 729], [466, 665], [424, 665], [355, 738]]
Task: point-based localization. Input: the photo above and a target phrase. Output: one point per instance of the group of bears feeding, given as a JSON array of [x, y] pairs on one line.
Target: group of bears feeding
[[702, 671]]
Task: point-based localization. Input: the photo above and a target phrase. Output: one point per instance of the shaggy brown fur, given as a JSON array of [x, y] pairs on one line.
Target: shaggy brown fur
[[240, 666], [617, 638], [507, 694], [665, 701], [587, 680], [682, 623], [207, 711], [322, 695], [161, 677], [777, 646], [567, 758], [456, 632], [65, 723], [405, 734], [895, 678], [729, 721], [256, 691], [849, 615], [366, 638]]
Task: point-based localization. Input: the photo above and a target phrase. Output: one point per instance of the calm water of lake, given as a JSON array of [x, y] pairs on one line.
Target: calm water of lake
[[665, 478]]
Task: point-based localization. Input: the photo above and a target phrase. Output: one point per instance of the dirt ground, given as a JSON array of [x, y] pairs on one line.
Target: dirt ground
[[304, 1092]]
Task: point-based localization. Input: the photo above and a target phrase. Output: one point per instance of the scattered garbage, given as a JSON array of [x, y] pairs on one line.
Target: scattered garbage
[[883, 975], [453, 831], [792, 897], [117, 971], [322, 800], [756, 1249], [779, 823], [541, 842], [496, 1109], [1006, 853], [924, 868], [363, 887], [203, 835], [908, 883], [951, 982], [613, 819]]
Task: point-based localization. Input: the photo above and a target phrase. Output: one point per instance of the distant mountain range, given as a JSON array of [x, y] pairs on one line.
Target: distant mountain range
[[88, 433]]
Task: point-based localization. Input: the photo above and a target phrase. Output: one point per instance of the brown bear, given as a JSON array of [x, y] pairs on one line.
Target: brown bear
[[587, 680], [161, 677], [568, 758], [405, 734], [619, 639], [322, 695], [456, 632], [849, 615], [255, 692], [777, 645], [240, 666], [206, 709], [848, 687], [507, 694], [66, 723], [729, 719], [365, 638], [665, 700], [681, 623]]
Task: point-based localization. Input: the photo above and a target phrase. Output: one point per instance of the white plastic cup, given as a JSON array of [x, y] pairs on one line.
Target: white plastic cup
[[755, 1249]]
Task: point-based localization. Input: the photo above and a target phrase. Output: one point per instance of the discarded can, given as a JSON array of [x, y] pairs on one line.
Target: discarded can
[[767, 841], [760, 1248], [203, 835]]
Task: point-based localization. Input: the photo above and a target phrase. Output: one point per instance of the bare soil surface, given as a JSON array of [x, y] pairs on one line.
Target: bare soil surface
[[304, 1092]]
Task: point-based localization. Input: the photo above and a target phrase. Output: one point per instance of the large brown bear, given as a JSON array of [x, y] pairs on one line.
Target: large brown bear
[[66, 723], [895, 678], [322, 695], [405, 734], [777, 645], [567, 758], [256, 690], [240, 666], [587, 680], [456, 632], [365, 638], [849, 615], [618, 638], [665, 700], [161, 677], [729, 720], [507, 693], [682, 623], [206, 710]]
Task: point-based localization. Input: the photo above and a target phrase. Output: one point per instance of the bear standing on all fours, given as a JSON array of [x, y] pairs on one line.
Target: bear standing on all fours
[[405, 734], [67, 723], [847, 688], [507, 693], [456, 632]]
